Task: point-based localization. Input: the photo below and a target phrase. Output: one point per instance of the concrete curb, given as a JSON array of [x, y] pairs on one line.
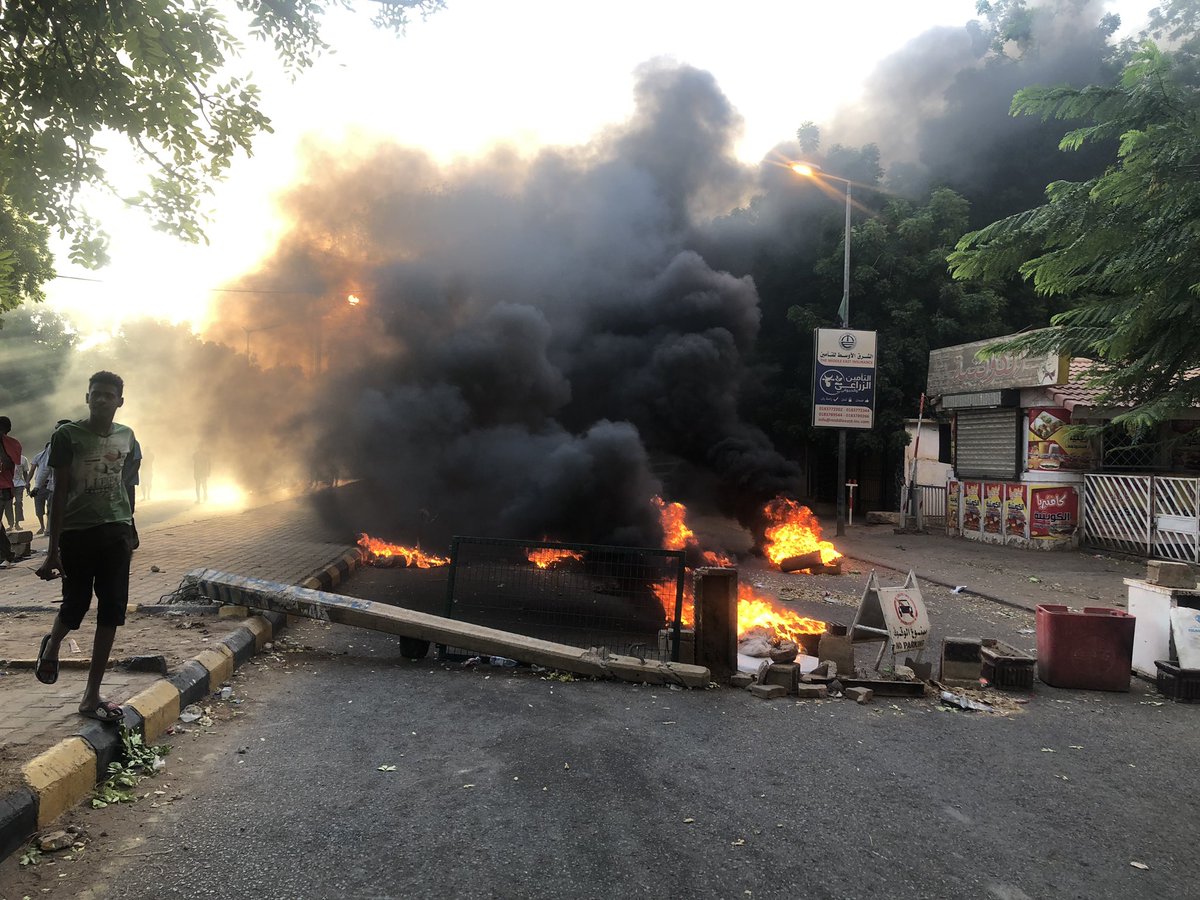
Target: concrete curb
[[330, 576], [65, 774]]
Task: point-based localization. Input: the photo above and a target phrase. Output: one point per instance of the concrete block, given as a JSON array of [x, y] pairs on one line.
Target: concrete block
[[687, 644], [768, 691], [786, 675], [741, 680], [838, 649], [158, 705], [1170, 574], [61, 777], [860, 694], [962, 661], [233, 612], [812, 691], [18, 818], [219, 662]]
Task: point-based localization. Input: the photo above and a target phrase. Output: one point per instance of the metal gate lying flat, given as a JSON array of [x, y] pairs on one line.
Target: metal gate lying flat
[[1147, 515], [627, 599]]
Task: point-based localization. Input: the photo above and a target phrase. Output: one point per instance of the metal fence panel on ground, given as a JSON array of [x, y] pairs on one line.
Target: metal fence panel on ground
[[627, 599]]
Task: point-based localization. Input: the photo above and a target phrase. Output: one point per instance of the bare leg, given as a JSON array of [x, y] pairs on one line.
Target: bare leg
[[101, 648]]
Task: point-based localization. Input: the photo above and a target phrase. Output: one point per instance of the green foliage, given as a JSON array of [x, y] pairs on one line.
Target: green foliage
[[32, 855], [153, 72], [1121, 246], [137, 762]]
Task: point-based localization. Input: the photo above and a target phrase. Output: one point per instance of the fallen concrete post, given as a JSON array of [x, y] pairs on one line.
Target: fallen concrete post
[[258, 593]]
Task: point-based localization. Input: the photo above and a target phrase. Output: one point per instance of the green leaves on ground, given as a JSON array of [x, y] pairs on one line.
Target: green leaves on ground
[[137, 762]]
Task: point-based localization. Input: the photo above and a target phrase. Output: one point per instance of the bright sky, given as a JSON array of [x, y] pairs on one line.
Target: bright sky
[[527, 72]]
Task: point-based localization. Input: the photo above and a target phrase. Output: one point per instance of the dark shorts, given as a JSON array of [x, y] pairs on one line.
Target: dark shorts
[[95, 559]]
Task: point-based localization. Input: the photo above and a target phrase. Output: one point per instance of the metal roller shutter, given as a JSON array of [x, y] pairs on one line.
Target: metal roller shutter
[[987, 443]]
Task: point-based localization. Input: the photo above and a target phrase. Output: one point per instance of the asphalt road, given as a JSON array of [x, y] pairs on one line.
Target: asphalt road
[[510, 785]]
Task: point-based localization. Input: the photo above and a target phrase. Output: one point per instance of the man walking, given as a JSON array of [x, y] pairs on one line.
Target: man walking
[[10, 458], [41, 483], [90, 535]]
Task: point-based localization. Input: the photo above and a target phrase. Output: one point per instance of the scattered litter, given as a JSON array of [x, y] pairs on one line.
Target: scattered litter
[[467, 787], [1048, 750], [155, 569], [502, 661], [738, 842], [1035, 579], [959, 589], [1138, 865], [1026, 631], [963, 702], [191, 713], [75, 646], [386, 769], [688, 821], [226, 693]]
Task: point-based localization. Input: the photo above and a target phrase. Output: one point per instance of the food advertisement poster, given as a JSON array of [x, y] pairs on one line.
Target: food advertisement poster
[[1016, 511], [1053, 512], [1053, 444], [952, 495], [972, 503], [993, 507]]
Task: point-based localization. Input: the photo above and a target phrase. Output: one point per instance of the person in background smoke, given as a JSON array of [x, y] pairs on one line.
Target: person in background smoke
[[201, 469], [147, 475], [41, 483], [90, 535], [10, 459], [20, 483]]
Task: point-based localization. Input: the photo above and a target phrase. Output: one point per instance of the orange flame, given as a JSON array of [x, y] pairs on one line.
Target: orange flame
[[719, 560], [546, 557], [676, 534], [665, 591], [793, 531], [412, 556], [757, 610], [754, 611]]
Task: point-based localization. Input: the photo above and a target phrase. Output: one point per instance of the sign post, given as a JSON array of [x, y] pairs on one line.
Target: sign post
[[843, 388], [843, 378], [895, 615]]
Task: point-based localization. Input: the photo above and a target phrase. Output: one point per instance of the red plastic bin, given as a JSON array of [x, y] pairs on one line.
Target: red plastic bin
[[1091, 650]]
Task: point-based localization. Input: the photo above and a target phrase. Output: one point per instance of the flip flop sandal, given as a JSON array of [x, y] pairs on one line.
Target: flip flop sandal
[[104, 711], [52, 675]]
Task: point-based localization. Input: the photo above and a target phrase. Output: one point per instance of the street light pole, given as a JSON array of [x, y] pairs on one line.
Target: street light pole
[[844, 314], [810, 171]]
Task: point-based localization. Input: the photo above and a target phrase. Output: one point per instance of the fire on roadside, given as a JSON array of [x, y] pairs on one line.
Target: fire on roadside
[[413, 557], [755, 610], [545, 557], [793, 531], [676, 534]]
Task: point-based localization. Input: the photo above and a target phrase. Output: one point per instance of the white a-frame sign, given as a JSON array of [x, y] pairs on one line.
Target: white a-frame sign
[[894, 615]]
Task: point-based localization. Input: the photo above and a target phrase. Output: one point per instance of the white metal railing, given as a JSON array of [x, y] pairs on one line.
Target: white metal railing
[[1148, 515]]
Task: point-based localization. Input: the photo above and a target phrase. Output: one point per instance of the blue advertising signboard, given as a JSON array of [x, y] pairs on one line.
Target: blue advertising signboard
[[843, 378]]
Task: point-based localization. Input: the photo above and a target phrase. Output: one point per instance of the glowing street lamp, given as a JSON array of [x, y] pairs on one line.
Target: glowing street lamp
[[811, 170]]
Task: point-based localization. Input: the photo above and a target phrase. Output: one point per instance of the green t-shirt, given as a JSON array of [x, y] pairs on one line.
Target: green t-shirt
[[97, 495]]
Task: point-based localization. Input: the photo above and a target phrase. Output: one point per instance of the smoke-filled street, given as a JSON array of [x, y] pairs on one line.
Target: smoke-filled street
[[509, 784]]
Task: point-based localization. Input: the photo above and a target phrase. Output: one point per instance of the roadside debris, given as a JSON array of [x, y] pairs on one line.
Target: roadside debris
[[962, 701]]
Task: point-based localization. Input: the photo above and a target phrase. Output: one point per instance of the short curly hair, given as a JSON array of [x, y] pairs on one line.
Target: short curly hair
[[103, 377]]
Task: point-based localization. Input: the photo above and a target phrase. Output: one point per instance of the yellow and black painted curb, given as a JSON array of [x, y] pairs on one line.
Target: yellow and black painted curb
[[330, 576], [66, 774]]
